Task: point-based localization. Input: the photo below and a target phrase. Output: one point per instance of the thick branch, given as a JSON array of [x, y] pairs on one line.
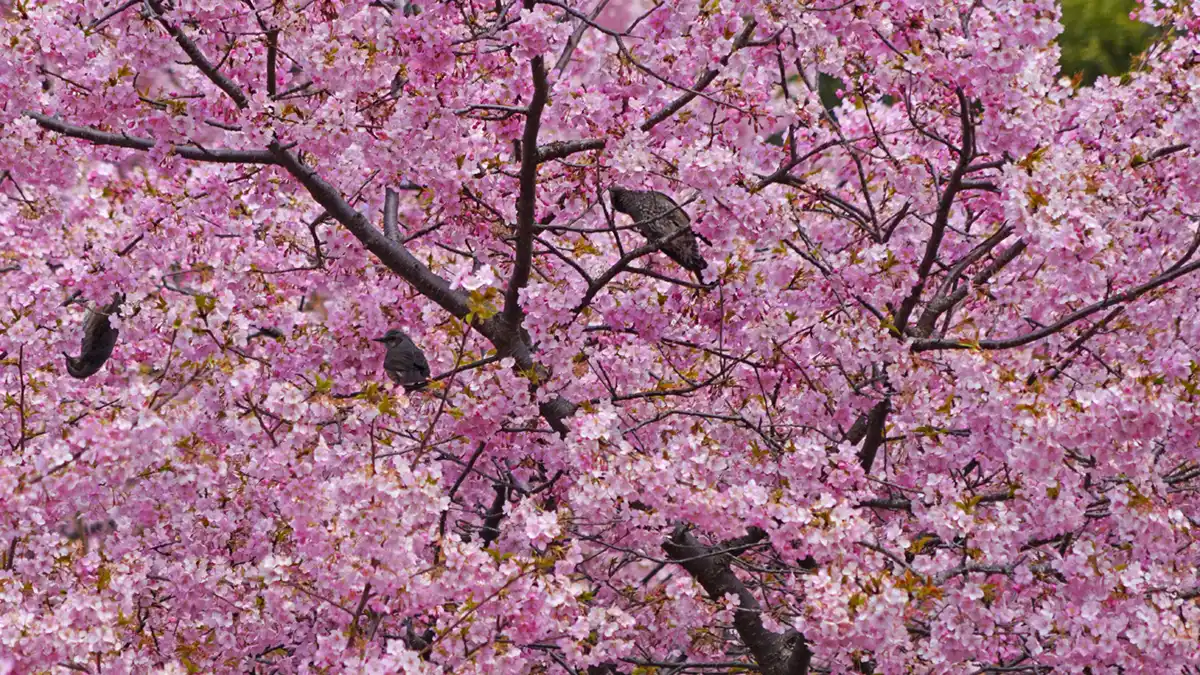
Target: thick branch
[[562, 149], [556, 411], [712, 572], [996, 265], [947, 298], [490, 531], [943, 303], [272, 51], [898, 504], [876, 425], [391, 205], [200, 60], [527, 197], [193, 152], [1160, 153], [396, 257], [505, 336]]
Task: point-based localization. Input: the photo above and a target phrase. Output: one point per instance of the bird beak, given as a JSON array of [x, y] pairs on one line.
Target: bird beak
[[379, 339]]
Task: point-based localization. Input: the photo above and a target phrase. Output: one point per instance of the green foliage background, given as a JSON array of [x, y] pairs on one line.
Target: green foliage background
[[1099, 38]]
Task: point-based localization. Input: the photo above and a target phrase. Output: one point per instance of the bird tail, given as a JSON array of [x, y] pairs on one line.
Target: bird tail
[[708, 286]]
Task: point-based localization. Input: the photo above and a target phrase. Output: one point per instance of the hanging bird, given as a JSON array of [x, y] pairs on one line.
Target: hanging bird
[[99, 338], [405, 362], [657, 216]]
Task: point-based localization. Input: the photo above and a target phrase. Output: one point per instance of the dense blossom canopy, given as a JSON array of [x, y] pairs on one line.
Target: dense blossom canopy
[[930, 407]]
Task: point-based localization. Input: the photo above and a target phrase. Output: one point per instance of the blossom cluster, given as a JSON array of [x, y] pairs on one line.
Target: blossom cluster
[[930, 407]]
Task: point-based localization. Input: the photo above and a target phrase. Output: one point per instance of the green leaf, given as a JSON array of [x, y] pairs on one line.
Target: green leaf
[[205, 304], [324, 386], [481, 304]]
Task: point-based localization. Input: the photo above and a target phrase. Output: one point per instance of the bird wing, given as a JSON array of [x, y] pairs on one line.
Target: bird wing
[[99, 337], [407, 361], [656, 216], [96, 346], [684, 250]]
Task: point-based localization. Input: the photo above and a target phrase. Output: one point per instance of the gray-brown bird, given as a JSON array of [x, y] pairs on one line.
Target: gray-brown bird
[[656, 216], [99, 338], [404, 362]]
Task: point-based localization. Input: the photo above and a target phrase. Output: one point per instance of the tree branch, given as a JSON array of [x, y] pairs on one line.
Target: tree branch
[[527, 197], [272, 50], [947, 298], [193, 152], [396, 257], [504, 336], [573, 42], [561, 149], [199, 60], [714, 575], [490, 530], [391, 204], [703, 81], [120, 8], [1033, 336], [876, 425], [1159, 154], [783, 170], [942, 218], [457, 484]]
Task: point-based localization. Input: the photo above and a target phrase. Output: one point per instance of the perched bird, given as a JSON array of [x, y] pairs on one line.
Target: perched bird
[[99, 338], [656, 216], [78, 529], [418, 642], [491, 522], [405, 362], [267, 331]]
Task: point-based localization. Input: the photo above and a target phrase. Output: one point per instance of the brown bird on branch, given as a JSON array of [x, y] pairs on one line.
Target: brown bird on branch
[[99, 338], [657, 216], [404, 362]]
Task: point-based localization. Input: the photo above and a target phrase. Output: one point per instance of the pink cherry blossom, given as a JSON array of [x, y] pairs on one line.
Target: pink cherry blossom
[[929, 406]]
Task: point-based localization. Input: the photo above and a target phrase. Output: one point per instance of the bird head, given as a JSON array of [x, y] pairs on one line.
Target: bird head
[[618, 196], [392, 337]]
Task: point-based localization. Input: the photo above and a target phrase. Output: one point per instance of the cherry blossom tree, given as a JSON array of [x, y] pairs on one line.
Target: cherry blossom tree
[[930, 405]]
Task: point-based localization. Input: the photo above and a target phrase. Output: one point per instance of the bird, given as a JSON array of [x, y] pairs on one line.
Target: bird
[[99, 338], [491, 522], [657, 216], [404, 363], [418, 642]]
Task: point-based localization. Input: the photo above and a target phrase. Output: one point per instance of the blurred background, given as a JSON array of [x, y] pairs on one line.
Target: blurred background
[[1099, 38]]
